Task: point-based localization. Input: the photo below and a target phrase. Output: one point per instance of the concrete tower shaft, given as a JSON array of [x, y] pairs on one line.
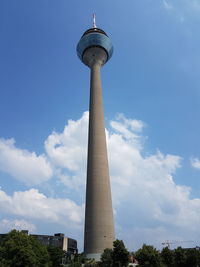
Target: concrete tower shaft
[[94, 49], [99, 227]]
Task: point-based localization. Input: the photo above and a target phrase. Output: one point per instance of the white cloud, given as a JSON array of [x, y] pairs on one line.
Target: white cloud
[[34, 205], [145, 196], [132, 124], [195, 162], [23, 165], [68, 149], [67, 152], [143, 187], [146, 186], [129, 129], [7, 225]]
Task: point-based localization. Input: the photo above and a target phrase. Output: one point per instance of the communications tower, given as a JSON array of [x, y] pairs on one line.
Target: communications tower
[[94, 50]]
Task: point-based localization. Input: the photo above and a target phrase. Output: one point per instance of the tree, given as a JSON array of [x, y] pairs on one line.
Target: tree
[[120, 254], [148, 256], [78, 260], [106, 258], [167, 256], [19, 249], [56, 255], [75, 264], [116, 257], [192, 257], [180, 257], [91, 263]]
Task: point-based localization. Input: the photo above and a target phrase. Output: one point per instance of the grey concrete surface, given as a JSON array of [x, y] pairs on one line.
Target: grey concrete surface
[[99, 225]]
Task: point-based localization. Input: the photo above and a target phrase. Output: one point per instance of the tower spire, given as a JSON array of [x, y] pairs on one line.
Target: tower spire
[[94, 20]]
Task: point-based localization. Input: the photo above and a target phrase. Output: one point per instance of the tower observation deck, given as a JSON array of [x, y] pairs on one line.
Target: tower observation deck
[[94, 50]]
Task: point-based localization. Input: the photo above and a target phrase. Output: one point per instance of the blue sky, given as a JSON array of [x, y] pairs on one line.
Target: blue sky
[[151, 101]]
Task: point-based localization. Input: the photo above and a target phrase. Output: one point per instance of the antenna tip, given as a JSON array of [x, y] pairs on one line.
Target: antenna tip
[[94, 20]]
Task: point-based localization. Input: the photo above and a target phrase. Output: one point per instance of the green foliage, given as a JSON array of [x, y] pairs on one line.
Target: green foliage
[[186, 257], [116, 257], [180, 257], [120, 255], [56, 256], [167, 256], [148, 256], [80, 258], [192, 257], [75, 264], [91, 263], [77, 261], [19, 249], [106, 258]]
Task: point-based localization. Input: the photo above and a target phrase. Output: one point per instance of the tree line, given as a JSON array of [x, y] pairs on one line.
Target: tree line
[[149, 256], [19, 249]]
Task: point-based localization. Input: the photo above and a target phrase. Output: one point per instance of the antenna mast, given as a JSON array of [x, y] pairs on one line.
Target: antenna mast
[[94, 20]]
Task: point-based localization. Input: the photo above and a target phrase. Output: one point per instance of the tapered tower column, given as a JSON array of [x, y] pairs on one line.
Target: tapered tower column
[[99, 226], [99, 229]]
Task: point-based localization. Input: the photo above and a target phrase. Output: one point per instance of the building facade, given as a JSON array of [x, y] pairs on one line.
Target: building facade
[[58, 240]]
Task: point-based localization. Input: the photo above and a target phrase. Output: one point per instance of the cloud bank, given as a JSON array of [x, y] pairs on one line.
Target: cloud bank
[[23, 165], [32, 204], [148, 205]]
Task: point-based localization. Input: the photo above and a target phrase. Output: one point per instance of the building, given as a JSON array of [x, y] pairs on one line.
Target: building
[[57, 240], [94, 50]]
